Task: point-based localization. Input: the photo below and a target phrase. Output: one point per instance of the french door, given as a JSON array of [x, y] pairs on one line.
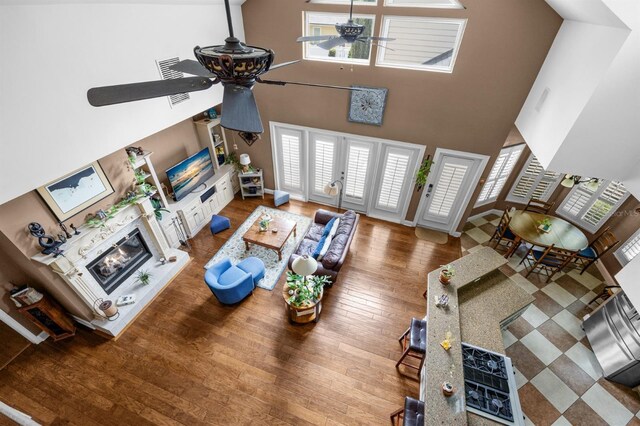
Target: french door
[[449, 188], [391, 190], [376, 175]]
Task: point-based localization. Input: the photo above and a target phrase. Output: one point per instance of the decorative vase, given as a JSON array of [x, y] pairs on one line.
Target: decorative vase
[[444, 279]]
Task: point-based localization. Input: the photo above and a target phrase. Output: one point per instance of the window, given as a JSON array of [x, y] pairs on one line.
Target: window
[[357, 166], [393, 178], [630, 249], [289, 151], [321, 23], [439, 4], [499, 174], [533, 182], [590, 209], [447, 188], [429, 44], [321, 161]]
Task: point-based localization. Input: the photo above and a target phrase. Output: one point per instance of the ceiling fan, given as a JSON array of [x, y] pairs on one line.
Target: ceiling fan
[[349, 32], [235, 65]]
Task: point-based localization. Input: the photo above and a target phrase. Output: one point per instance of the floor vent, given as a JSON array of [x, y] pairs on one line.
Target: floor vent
[[166, 73]]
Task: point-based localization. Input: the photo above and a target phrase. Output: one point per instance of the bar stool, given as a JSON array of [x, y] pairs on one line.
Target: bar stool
[[411, 415], [414, 343]]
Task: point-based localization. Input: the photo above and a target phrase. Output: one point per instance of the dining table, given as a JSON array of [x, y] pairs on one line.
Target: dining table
[[525, 226]]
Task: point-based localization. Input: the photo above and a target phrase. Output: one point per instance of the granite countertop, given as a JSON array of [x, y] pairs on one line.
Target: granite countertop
[[480, 299]]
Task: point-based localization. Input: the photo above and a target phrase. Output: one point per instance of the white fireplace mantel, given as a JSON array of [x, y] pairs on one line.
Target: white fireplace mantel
[[82, 249]]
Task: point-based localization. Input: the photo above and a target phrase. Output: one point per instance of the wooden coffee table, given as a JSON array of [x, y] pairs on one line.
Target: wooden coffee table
[[271, 240]]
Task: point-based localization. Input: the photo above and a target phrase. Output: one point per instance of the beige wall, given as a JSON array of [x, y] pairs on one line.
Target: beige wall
[[169, 147], [473, 109]]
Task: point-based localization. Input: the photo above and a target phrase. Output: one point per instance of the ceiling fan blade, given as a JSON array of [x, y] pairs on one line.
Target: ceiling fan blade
[[189, 66], [239, 110], [284, 64], [314, 38], [330, 44], [110, 95], [380, 38], [365, 40], [284, 83]]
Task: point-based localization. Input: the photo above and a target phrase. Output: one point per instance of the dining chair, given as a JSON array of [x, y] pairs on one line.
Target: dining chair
[[551, 260], [598, 248], [538, 206], [503, 235]]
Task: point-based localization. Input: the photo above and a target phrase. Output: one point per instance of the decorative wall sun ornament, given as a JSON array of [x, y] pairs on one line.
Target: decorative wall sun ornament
[[367, 105]]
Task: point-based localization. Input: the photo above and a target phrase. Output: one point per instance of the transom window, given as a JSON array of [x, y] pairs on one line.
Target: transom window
[[439, 4], [421, 43], [323, 23], [629, 250], [590, 208], [533, 182], [499, 174]]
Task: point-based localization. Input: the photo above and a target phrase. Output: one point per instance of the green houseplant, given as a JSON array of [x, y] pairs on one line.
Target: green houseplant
[[446, 273], [305, 292], [423, 173], [157, 208], [143, 277]]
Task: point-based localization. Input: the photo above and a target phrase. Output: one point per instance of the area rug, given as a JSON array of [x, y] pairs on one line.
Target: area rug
[[235, 250], [431, 235]]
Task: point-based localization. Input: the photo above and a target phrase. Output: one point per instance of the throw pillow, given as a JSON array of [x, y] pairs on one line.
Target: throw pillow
[[325, 248], [334, 228], [328, 227], [318, 249]]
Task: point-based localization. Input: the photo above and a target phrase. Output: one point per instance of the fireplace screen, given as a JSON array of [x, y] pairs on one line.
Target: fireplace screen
[[113, 267]]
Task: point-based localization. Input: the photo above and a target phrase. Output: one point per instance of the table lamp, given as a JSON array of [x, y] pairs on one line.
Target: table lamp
[[304, 265], [245, 161]]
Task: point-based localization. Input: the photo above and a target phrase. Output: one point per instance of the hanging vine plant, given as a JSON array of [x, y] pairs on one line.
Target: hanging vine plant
[[423, 173]]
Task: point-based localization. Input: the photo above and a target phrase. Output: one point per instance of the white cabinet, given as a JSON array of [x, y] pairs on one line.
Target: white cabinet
[[196, 209]]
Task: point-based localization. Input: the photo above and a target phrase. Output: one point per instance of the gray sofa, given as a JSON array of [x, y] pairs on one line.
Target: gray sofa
[[339, 247]]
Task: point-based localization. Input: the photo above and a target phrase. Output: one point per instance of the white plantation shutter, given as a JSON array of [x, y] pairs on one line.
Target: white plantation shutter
[[630, 249], [289, 149], [393, 178], [499, 174], [591, 209], [356, 173], [323, 164], [533, 182], [447, 188]]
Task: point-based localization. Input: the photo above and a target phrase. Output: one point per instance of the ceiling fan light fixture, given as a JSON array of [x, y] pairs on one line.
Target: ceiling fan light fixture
[[568, 181], [249, 137]]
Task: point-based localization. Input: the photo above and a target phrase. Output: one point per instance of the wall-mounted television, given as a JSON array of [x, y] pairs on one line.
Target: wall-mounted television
[[189, 174]]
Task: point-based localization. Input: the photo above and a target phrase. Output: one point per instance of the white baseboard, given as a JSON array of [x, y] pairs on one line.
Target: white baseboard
[[84, 322], [488, 212], [409, 223], [17, 416], [20, 329], [268, 191], [455, 234]]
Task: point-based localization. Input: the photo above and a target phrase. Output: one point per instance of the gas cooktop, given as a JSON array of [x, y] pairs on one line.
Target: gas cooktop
[[490, 387]]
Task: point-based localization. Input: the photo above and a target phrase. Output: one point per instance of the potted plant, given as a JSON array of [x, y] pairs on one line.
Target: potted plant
[[143, 277], [157, 208], [423, 173], [303, 296], [545, 224], [446, 273], [140, 176], [264, 224]]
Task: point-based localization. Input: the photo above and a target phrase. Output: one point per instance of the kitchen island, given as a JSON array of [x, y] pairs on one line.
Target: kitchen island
[[482, 301]]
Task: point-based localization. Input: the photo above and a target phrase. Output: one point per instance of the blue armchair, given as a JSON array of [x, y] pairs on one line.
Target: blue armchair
[[228, 283]]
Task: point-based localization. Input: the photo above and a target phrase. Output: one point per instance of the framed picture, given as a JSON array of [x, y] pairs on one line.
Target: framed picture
[[367, 105], [76, 191]]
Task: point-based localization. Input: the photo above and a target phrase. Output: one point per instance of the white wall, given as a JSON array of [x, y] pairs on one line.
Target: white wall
[[577, 61], [590, 123], [52, 53]]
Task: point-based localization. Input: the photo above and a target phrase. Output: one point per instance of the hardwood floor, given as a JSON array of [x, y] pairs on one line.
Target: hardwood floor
[[189, 360], [12, 344]]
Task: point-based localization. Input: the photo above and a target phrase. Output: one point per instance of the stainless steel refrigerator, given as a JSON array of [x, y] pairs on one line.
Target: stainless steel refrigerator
[[614, 334]]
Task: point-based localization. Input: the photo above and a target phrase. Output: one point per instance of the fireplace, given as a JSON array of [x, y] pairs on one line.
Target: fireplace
[[117, 264]]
